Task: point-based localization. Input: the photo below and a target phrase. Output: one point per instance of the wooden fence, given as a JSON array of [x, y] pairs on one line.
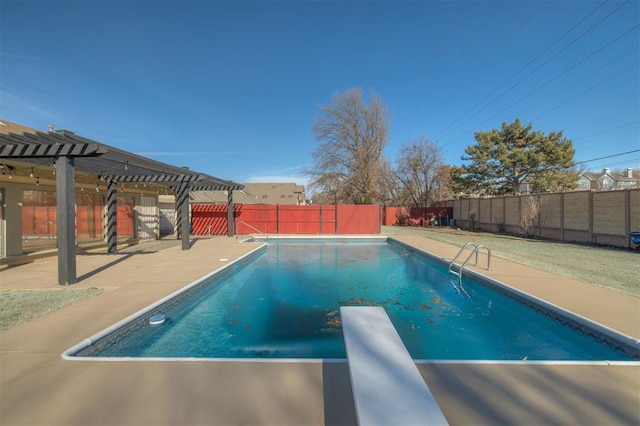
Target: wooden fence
[[40, 222], [604, 217], [211, 219]]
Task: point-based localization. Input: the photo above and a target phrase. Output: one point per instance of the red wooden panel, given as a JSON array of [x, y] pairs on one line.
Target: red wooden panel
[[210, 219], [28, 222], [328, 219], [360, 219], [39, 221], [124, 218], [417, 216], [52, 220], [82, 221], [89, 221], [98, 224], [299, 220], [393, 215], [259, 216], [273, 219]]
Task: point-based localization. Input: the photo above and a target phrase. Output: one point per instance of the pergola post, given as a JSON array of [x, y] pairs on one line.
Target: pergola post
[[112, 216], [182, 214], [66, 220], [230, 208]]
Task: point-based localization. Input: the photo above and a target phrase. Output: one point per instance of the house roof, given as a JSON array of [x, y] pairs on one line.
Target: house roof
[[276, 193], [220, 197], [25, 145], [619, 177]]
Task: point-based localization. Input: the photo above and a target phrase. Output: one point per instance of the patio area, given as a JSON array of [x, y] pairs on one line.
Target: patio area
[[38, 387]]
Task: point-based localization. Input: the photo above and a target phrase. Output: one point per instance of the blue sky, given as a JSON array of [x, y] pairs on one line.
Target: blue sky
[[232, 88]]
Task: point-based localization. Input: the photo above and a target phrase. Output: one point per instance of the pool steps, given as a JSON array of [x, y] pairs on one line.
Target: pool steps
[[387, 386]]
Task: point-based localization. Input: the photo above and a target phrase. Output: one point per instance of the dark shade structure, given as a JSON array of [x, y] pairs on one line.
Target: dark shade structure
[[69, 153]]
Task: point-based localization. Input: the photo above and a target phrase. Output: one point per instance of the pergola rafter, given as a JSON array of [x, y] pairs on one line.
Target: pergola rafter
[[44, 145]]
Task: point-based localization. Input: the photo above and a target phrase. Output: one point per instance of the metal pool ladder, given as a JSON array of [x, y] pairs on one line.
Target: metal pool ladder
[[456, 269]]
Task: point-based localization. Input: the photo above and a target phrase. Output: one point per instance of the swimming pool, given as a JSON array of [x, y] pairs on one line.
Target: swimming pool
[[282, 301]]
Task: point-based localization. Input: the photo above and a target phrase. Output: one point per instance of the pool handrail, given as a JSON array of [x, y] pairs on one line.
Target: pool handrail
[[476, 248], [252, 227]]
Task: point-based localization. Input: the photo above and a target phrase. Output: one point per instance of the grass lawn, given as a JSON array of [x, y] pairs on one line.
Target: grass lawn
[[20, 306], [616, 269]]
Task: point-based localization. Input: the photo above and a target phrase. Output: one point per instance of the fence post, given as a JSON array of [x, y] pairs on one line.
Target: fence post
[[594, 239], [335, 216], [562, 216], [491, 214], [320, 219], [627, 215], [277, 218]]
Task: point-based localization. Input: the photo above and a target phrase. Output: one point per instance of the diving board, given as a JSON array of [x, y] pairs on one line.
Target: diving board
[[387, 386]]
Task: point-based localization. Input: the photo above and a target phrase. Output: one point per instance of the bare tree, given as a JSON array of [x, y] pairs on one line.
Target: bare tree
[[421, 171], [351, 136], [390, 189], [530, 215]]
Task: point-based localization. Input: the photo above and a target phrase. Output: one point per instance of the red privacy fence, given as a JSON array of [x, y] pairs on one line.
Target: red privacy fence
[[417, 216], [211, 219]]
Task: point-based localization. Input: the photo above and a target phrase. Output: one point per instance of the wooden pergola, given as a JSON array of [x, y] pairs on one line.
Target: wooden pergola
[[69, 153]]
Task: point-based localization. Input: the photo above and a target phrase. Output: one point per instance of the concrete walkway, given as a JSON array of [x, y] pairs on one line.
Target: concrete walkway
[[37, 387]]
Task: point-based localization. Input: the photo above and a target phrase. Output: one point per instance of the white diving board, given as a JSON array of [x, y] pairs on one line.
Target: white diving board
[[387, 386]]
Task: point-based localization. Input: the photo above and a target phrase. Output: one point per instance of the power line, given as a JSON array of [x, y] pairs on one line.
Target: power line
[[608, 156], [490, 56], [437, 55], [587, 90], [440, 135], [619, 163], [557, 76], [608, 64], [461, 53], [631, 123], [608, 132], [516, 31]]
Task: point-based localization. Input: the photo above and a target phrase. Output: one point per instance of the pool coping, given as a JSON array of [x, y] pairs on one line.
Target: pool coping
[[600, 332]]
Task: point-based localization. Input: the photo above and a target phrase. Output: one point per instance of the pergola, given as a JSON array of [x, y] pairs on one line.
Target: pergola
[[69, 153]]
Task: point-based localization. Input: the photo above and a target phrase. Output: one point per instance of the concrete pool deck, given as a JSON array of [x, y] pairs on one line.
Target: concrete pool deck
[[38, 387]]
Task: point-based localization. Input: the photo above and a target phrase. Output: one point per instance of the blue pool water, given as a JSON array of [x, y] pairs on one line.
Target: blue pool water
[[285, 304]]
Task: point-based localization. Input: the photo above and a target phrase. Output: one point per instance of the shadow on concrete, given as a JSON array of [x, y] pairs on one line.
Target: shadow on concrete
[[107, 266], [339, 408], [535, 393]]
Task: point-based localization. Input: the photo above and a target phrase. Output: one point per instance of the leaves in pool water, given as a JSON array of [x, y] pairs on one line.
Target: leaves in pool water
[[352, 301], [335, 322], [233, 321]]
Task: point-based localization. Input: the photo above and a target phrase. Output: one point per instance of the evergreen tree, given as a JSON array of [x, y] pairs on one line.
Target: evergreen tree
[[502, 160]]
